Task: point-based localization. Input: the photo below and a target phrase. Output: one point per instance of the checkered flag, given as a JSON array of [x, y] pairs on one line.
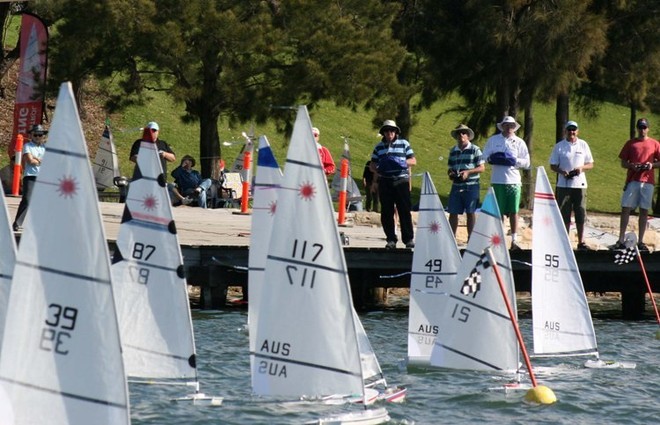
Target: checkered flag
[[625, 256], [472, 283]]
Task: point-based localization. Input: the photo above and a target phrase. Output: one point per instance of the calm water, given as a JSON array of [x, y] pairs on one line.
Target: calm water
[[585, 396]]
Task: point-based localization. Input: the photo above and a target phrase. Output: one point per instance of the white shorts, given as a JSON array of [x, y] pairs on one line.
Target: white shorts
[[637, 194]]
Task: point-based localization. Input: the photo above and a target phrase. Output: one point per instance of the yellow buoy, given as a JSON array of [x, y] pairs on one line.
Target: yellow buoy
[[541, 394]]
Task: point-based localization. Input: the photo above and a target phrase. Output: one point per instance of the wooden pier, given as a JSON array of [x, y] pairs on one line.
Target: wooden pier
[[215, 244]]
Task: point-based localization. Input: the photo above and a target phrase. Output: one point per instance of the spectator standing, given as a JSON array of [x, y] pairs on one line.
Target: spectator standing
[[391, 161], [189, 184], [33, 153], [570, 158], [465, 164], [326, 158], [371, 190], [506, 153], [150, 134], [639, 156]]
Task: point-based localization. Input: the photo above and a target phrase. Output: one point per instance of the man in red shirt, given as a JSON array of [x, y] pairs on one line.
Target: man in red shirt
[[639, 156], [326, 159]]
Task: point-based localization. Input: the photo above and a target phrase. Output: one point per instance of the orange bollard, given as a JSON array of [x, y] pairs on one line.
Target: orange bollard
[[246, 182], [342, 193], [18, 154]]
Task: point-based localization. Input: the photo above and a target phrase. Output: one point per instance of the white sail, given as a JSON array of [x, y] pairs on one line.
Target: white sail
[[7, 260], [266, 182], [560, 313], [435, 262], [150, 286], [106, 162], [61, 355], [306, 341], [476, 331]]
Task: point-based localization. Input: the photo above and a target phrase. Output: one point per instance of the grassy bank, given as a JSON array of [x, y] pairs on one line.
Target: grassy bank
[[430, 140]]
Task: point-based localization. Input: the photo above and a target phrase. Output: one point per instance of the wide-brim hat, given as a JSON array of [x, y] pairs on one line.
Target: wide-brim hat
[[508, 120], [189, 158], [389, 124], [462, 127], [38, 129]]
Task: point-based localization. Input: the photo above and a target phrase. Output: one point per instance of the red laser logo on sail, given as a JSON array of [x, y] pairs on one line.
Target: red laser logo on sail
[[272, 208], [67, 187], [495, 240], [150, 202], [434, 227], [307, 191]]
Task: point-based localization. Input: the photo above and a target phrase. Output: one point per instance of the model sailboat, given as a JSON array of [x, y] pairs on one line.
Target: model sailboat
[[561, 318], [106, 162], [150, 286], [435, 262], [476, 332], [7, 260], [306, 340], [266, 182], [61, 357]]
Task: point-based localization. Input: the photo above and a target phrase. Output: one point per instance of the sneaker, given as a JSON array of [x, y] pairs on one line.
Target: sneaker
[[642, 247], [618, 246], [515, 247], [186, 201], [583, 247], [410, 244], [390, 245]]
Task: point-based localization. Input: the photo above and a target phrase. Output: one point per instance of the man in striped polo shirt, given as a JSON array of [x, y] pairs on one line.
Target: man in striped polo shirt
[[464, 166], [391, 161]]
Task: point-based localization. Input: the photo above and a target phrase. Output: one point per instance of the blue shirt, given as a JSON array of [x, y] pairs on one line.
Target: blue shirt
[[37, 151], [466, 159], [186, 180], [390, 159]]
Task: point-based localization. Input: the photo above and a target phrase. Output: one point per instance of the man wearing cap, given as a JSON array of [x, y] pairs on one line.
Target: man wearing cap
[[391, 161], [33, 153], [326, 158], [506, 153], [569, 159], [189, 184], [465, 164], [150, 134], [639, 156]]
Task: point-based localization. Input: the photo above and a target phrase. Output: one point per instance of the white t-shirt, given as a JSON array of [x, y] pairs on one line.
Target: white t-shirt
[[568, 156], [505, 174]]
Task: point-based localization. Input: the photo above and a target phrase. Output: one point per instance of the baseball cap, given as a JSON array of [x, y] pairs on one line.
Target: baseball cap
[[642, 123], [571, 124], [153, 125]]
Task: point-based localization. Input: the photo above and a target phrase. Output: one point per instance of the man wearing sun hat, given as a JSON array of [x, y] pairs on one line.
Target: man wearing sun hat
[[639, 156], [570, 158], [465, 164], [150, 134], [506, 153], [391, 161], [33, 153]]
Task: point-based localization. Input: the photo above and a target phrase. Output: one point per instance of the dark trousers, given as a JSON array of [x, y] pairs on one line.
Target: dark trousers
[[395, 193], [28, 184], [371, 202]]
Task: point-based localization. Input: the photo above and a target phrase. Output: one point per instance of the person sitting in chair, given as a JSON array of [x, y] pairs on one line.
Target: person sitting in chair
[[189, 184]]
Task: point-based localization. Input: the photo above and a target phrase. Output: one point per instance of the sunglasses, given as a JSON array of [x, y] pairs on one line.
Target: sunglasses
[[463, 132], [642, 127], [39, 134], [572, 129], [154, 130]]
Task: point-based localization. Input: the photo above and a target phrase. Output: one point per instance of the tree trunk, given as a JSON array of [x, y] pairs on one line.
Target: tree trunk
[[561, 115], [633, 120], [209, 142], [527, 195]]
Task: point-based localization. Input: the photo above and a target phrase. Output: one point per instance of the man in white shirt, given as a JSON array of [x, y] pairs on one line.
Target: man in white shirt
[[569, 159], [506, 153]]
